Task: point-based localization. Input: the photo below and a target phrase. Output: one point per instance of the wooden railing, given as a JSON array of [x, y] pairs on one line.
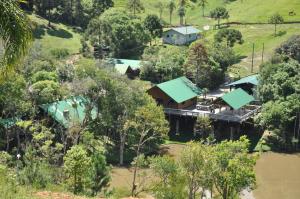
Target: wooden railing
[[216, 116]]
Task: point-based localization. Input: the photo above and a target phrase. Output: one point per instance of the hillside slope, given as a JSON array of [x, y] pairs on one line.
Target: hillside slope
[[59, 36]]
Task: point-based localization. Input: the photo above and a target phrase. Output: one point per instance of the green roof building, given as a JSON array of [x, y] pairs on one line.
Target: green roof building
[[128, 67], [237, 99], [248, 84], [177, 93], [69, 112]]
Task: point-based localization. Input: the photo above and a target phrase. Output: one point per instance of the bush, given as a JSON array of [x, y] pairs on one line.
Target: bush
[[44, 75], [60, 53]]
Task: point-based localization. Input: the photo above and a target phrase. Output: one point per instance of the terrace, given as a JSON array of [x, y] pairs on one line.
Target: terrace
[[236, 106]]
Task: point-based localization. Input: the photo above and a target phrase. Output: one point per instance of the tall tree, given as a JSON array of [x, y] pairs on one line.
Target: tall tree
[[218, 14], [149, 124], [160, 6], [99, 6], [135, 6], [15, 34], [153, 25], [276, 19], [203, 4], [181, 13], [171, 6]]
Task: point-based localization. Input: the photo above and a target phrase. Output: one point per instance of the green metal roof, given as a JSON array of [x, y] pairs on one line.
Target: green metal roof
[[237, 98], [252, 79], [180, 89], [76, 108], [121, 65]]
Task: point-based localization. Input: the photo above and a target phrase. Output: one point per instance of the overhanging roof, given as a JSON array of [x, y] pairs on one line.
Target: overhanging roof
[[237, 98], [180, 89], [252, 79], [186, 30], [122, 65], [76, 108]]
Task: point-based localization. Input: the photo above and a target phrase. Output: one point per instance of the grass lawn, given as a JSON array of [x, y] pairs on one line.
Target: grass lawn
[[259, 35], [61, 36]]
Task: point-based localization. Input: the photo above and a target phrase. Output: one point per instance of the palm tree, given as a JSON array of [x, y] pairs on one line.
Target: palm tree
[[15, 34], [171, 6], [203, 3], [181, 13], [135, 6]]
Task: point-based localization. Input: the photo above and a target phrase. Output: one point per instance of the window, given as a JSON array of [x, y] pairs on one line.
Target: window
[[168, 36]]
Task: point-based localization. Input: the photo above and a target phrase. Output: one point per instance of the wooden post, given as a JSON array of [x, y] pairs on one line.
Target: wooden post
[[238, 129], [252, 59], [262, 55], [177, 126], [231, 132]]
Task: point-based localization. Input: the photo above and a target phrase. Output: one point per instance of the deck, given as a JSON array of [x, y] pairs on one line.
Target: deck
[[224, 114]]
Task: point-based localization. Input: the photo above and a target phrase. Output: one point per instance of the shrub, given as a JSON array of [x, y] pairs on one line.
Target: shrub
[[60, 53]]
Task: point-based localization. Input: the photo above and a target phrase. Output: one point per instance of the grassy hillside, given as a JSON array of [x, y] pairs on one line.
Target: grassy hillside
[[59, 36], [240, 10]]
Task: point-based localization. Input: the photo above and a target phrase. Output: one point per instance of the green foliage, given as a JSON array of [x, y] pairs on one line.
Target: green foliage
[[226, 167], [231, 36], [45, 91], [219, 13], [36, 170], [170, 183], [60, 53], [162, 64], [279, 90], [16, 34], [202, 68], [171, 7], [122, 32], [290, 48], [44, 75], [135, 6], [76, 165], [234, 167], [203, 126], [276, 19], [153, 25], [223, 54]]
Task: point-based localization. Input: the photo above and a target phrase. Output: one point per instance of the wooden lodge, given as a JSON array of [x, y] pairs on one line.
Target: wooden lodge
[[182, 99]]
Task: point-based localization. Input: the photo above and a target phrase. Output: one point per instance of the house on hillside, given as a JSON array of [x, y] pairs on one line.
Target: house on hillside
[[178, 93], [128, 67], [181, 35], [248, 84], [70, 112]]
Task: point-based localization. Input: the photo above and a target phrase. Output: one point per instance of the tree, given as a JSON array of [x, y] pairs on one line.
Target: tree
[[279, 91], [123, 33], [135, 6], [171, 182], [276, 19], [149, 124], [171, 6], [203, 4], [99, 6], [290, 48], [76, 165], [203, 126], [162, 64], [219, 13], [231, 36], [234, 167], [160, 6], [181, 13], [153, 25], [202, 68], [192, 162], [15, 35]]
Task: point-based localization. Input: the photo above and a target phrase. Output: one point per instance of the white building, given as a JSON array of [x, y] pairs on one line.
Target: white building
[[181, 35]]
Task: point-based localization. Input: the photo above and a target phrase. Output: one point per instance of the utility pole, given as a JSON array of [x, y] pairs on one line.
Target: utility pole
[[252, 59], [262, 55]]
